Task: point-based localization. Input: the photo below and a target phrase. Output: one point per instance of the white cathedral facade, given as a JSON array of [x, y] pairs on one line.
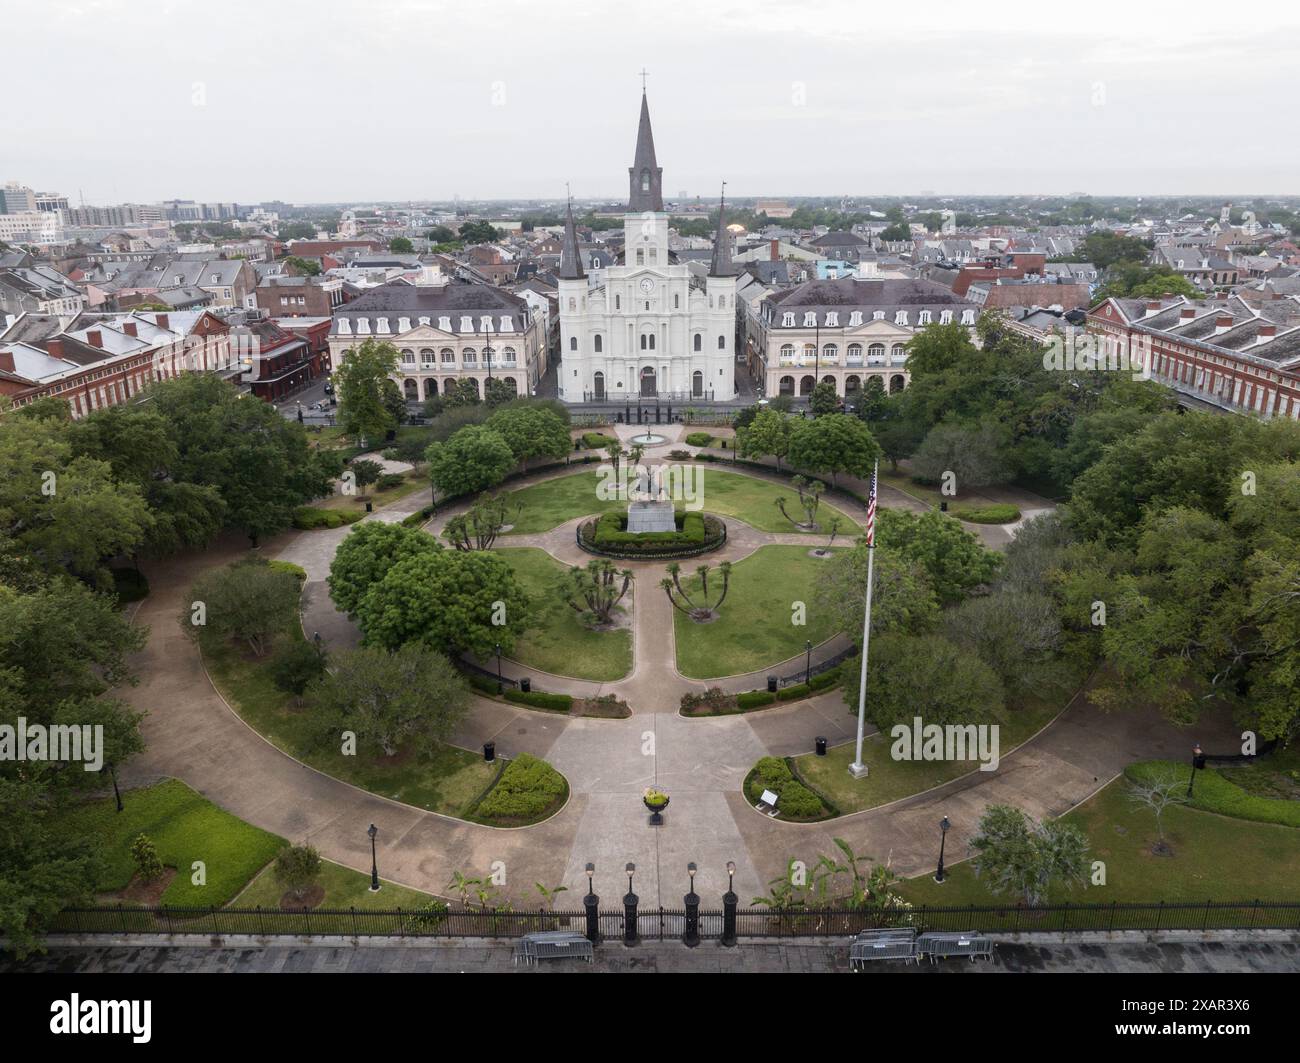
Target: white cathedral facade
[[649, 327]]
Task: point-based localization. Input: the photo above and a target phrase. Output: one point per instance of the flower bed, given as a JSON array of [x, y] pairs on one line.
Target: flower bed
[[696, 533]]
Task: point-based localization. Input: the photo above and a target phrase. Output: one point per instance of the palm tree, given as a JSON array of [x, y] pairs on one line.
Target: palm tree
[[725, 569], [667, 585]]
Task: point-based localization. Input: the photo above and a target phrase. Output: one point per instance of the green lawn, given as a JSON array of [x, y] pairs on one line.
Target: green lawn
[[754, 629], [1214, 858], [185, 827], [416, 479], [344, 888], [448, 780], [559, 642], [728, 494], [888, 779]]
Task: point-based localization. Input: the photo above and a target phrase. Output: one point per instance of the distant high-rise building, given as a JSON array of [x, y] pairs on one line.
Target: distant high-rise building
[[16, 198]]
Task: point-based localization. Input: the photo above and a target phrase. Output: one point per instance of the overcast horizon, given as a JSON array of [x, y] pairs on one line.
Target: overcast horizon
[[401, 100]]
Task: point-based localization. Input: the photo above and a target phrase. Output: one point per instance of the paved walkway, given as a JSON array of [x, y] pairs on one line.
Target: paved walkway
[[192, 734]]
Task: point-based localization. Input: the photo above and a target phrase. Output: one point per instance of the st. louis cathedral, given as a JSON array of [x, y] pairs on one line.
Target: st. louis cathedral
[[647, 327]]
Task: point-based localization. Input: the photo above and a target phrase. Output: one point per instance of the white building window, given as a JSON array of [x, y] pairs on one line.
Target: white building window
[[507, 323], [444, 323], [381, 325], [878, 315], [900, 318], [832, 319], [968, 317], [466, 323], [787, 320], [925, 317], [809, 318], [485, 323], [855, 318], [945, 317]]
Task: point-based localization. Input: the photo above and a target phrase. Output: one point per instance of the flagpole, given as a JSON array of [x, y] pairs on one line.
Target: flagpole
[[857, 769]]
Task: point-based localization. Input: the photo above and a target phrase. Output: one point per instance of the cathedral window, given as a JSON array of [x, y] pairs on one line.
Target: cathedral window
[[645, 180], [640, 256], [618, 302], [573, 343], [596, 344], [643, 341], [677, 302], [722, 343], [573, 304], [654, 256], [699, 342]]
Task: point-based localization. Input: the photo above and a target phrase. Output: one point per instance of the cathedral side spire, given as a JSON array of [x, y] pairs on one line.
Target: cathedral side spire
[[645, 175], [570, 256], [721, 264]]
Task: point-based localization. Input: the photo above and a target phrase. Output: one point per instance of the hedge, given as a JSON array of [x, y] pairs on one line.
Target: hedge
[[538, 699], [291, 568], [309, 518], [754, 699], [597, 441], [1213, 793], [389, 481], [794, 799], [997, 513], [526, 790], [699, 439]]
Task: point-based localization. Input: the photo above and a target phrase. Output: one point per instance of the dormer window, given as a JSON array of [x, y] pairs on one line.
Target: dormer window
[[382, 325], [444, 323], [878, 315], [945, 317], [466, 323], [363, 325], [485, 323], [832, 319], [968, 317], [810, 318], [403, 324], [900, 318], [345, 327], [855, 318], [424, 321], [925, 317], [507, 323], [787, 320]]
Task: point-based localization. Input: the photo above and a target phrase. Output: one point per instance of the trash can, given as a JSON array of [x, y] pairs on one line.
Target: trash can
[[525, 684], [821, 745], [489, 751], [771, 684], [943, 507], [370, 507]]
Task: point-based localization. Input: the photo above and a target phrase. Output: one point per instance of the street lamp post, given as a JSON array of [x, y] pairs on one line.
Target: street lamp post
[[943, 837], [1198, 761], [117, 794], [500, 684], [729, 900], [691, 924], [629, 909], [374, 865], [591, 903], [807, 662]]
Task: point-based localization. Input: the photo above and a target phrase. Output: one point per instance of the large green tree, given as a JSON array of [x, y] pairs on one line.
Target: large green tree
[[768, 433], [1016, 855], [954, 560], [474, 458], [833, 443], [370, 550], [361, 385], [531, 433], [249, 601], [453, 600]]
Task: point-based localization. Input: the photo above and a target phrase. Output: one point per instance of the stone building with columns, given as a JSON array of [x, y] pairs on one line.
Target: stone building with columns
[[446, 331], [846, 331]]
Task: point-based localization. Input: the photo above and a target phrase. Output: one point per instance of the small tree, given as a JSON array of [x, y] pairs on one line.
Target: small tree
[[832, 526], [823, 399], [677, 595], [810, 496], [295, 665], [145, 854], [595, 589], [365, 473], [250, 600], [478, 527], [1156, 793], [1015, 854], [296, 868], [550, 893]]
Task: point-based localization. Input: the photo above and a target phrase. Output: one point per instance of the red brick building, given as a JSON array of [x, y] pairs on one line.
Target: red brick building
[[1224, 353]]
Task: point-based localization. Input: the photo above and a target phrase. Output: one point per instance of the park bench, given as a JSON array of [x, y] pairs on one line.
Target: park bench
[[937, 946], [891, 944], [553, 945]]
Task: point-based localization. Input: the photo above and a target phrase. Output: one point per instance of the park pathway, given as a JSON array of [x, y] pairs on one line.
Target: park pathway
[[192, 734]]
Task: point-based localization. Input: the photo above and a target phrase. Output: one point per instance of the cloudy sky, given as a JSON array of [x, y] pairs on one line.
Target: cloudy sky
[[345, 100]]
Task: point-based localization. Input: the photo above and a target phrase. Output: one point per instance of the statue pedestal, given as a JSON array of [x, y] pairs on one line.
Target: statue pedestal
[[651, 516]]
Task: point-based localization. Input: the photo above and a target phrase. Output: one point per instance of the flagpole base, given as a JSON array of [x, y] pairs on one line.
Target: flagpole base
[[858, 771]]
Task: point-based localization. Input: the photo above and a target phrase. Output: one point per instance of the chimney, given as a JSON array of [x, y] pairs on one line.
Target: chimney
[[1222, 323], [776, 250], [1186, 314], [54, 347], [7, 361], [1266, 333], [161, 320], [95, 338], [129, 328], [1153, 307]]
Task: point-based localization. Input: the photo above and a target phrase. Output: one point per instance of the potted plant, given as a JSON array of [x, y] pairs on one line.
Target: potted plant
[[656, 801]]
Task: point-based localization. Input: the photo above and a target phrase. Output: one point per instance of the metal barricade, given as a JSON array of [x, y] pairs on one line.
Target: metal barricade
[[889, 944], [553, 945], [937, 946]]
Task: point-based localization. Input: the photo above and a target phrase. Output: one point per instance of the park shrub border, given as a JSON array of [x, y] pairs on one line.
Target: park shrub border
[[528, 789], [1213, 793], [714, 702], [597, 440], [700, 533], [779, 775], [311, 518], [994, 513]]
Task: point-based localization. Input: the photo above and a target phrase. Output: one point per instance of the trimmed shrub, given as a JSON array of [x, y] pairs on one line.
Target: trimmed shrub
[[754, 699], [1213, 793], [611, 530], [526, 790], [420, 516], [597, 441], [310, 518], [291, 568], [699, 439], [774, 772], [798, 802], [390, 480], [537, 699], [997, 513]]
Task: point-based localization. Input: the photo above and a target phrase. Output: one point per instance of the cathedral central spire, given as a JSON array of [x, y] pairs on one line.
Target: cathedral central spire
[[645, 175]]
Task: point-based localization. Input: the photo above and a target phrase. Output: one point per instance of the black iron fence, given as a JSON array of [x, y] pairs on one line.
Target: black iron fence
[[818, 667], [666, 924]]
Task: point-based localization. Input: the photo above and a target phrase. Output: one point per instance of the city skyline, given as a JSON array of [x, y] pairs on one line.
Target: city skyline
[[820, 101]]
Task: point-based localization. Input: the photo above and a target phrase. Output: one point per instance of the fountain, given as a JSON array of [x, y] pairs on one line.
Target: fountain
[[648, 439]]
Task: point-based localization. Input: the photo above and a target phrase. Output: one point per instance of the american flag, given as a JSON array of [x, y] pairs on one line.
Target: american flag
[[871, 509]]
